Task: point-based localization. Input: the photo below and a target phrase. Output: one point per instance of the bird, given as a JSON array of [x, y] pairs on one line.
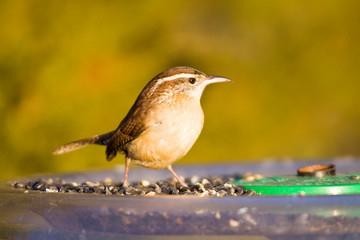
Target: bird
[[161, 126]]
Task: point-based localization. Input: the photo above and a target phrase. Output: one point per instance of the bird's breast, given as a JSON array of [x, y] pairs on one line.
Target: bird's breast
[[171, 131]]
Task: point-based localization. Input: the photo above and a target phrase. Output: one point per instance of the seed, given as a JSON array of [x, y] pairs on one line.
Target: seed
[[249, 193], [150, 194], [51, 190], [258, 176], [90, 184], [19, 185], [355, 177], [250, 178], [204, 194], [222, 192], [205, 181], [145, 183]]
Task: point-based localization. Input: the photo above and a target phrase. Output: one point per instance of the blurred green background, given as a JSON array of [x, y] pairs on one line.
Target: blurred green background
[[72, 69]]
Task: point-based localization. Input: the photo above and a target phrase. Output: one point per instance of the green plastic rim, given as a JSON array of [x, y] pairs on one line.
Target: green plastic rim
[[294, 185]]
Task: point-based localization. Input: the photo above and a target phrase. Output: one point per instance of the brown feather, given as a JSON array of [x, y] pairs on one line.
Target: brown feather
[[126, 132], [98, 139]]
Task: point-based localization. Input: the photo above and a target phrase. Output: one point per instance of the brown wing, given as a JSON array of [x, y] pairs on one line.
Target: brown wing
[[129, 129], [133, 124]]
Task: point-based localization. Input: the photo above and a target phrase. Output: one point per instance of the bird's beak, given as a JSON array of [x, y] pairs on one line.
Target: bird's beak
[[216, 79]]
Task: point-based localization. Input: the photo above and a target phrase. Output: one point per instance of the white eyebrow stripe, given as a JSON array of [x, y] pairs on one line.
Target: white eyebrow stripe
[[180, 75]]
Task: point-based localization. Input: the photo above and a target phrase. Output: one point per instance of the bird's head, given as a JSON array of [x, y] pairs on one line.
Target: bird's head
[[182, 80]]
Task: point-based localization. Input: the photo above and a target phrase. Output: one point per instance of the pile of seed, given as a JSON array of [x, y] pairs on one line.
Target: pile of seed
[[212, 187]]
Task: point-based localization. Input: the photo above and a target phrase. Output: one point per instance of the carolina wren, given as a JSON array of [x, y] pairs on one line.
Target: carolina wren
[[161, 126]]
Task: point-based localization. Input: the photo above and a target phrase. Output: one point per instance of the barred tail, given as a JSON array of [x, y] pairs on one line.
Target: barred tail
[[98, 139]]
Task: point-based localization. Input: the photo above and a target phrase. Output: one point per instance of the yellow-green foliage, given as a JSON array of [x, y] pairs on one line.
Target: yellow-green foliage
[[72, 69]]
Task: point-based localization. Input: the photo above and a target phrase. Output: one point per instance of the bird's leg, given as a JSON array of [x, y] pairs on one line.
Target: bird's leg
[[127, 165], [176, 176]]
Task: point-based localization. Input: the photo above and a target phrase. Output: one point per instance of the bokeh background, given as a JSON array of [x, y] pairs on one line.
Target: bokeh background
[[72, 69]]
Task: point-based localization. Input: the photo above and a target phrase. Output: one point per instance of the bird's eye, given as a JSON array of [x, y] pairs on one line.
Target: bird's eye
[[192, 80]]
